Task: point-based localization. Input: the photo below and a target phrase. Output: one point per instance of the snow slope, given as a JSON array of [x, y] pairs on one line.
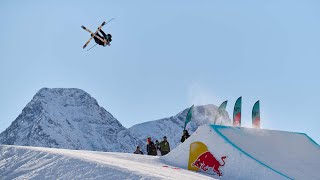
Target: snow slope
[[68, 118], [172, 127], [50, 163], [254, 153], [250, 154]]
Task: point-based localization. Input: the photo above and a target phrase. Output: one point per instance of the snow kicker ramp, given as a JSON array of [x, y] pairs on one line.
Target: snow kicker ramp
[[246, 153]]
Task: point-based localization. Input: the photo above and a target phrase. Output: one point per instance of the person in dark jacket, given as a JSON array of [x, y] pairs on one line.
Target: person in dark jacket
[[164, 146], [104, 36], [151, 148], [138, 151], [185, 135], [157, 145]]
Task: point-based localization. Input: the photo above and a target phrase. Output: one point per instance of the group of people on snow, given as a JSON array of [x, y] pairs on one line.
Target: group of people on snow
[[163, 147]]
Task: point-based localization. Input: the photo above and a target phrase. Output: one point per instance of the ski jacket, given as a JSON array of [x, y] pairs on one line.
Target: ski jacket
[[184, 137], [138, 152], [104, 36], [151, 149], [164, 146], [158, 145], [97, 40]]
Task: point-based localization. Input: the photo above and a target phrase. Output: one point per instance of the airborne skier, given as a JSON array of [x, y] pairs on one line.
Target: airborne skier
[[105, 37]]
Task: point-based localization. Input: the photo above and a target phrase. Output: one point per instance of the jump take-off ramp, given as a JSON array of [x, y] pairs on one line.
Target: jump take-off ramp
[[246, 153]]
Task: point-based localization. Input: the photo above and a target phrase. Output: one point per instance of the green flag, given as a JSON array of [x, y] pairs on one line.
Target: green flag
[[221, 108], [237, 112], [256, 115], [189, 116]]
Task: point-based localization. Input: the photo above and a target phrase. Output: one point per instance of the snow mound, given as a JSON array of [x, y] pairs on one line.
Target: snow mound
[[253, 153]]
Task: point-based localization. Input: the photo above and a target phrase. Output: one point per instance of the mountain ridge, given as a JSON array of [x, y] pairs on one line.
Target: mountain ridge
[[70, 118]]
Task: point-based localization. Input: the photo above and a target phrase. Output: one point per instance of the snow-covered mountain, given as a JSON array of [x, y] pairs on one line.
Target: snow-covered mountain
[[172, 127], [70, 119]]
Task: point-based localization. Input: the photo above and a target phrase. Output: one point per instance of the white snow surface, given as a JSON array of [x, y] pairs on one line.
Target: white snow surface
[[251, 154], [18, 162], [172, 127], [68, 118]]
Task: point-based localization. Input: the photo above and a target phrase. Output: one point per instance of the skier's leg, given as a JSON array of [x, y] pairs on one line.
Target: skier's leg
[[103, 34], [97, 40], [105, 37]]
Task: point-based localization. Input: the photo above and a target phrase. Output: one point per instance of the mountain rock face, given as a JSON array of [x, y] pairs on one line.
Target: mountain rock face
[[70, 119], [172, 127]]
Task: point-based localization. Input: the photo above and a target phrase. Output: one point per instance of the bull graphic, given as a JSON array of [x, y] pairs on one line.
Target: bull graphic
[[207, 160]]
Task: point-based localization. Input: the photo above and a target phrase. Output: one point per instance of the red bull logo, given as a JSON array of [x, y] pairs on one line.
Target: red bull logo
[[201, 158], [207, 160]]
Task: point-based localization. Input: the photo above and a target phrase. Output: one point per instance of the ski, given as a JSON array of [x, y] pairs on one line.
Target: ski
[[93, 34]]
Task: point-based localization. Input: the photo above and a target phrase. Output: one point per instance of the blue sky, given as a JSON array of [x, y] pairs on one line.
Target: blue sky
[[166, 56]]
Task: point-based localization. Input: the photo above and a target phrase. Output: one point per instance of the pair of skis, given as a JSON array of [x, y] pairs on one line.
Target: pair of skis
[[95, 33]]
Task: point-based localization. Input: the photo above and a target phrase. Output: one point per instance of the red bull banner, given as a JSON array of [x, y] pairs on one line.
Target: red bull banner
[[237, 112], [201, 159], [256, 115]]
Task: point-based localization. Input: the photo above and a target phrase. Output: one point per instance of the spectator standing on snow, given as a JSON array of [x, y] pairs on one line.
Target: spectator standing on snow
[[138, 151], [151, 148], [164, 146], [185, 135], [158, 147]]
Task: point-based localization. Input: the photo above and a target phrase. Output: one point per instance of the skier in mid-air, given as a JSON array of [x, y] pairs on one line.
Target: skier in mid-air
[[103, 39], [104, 36]]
